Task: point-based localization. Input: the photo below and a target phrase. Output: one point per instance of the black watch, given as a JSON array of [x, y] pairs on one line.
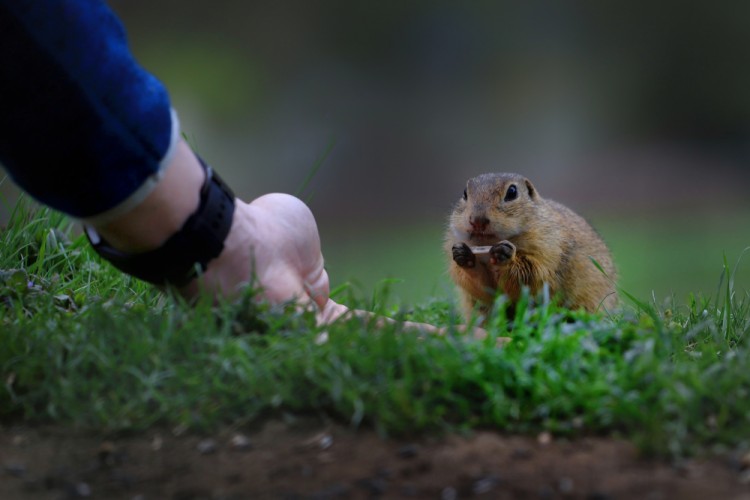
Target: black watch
[[188, 251]]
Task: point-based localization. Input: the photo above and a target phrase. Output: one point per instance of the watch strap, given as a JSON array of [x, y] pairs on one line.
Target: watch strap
[[187, 252]]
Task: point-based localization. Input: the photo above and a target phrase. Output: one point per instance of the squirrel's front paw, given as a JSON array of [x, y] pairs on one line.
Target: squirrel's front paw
[[463, 256], [502, 252]]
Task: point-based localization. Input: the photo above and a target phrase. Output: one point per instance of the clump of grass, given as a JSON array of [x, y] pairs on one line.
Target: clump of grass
[[83, 345]]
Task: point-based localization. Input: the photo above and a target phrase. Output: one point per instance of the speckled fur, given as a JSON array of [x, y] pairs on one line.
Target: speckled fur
[[553, 245]]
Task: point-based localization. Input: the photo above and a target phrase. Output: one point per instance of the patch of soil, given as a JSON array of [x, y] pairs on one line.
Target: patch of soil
[[315, 461]]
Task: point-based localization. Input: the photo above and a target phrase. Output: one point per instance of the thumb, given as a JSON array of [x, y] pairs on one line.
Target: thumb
[[292, 227], [317, 285]]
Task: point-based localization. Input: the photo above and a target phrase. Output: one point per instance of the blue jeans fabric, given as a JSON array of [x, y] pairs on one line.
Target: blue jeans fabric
[[82, 125]]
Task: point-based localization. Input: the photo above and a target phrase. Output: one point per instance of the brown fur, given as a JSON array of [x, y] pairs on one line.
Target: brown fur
[[553, 245]]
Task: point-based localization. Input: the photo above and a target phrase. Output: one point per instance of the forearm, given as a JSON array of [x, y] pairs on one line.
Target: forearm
[[165, 209]]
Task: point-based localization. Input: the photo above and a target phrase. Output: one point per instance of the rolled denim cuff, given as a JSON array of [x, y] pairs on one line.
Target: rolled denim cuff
[[148, 185], [84, 129]]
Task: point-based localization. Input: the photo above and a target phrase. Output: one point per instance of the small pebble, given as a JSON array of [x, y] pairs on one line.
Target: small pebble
[[521, 454], [179, 430], [448, 493], [565, 485], [157, 442], [484, 485], [335, 491], [15, 469], [240, 442], [544, 438], [106, 453], [409, 490], [122, 478], [83, 489], [408, 451], [326, 441], [322, 441], [80, 490], [375, 486], [207, 446], [546, 492], [106, 447], [384, 472], [19, 440]]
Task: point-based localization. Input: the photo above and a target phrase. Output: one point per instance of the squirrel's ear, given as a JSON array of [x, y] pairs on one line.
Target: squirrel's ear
[[530, 188]]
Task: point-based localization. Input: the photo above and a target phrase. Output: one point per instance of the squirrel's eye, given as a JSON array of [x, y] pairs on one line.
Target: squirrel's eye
[[466, 196], [512, 193]]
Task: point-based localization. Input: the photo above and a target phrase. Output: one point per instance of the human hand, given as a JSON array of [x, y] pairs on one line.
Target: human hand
[[273, 240]]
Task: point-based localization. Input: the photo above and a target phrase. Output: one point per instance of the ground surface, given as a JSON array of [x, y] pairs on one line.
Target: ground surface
[[326, 461]]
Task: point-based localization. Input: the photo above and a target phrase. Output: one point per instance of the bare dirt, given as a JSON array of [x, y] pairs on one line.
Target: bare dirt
[[318, 461]]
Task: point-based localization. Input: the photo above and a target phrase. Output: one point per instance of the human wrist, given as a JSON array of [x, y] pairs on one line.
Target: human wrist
[[164, 211], [172, 249]]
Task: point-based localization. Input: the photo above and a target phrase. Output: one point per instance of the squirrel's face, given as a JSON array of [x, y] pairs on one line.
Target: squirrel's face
[[494, 207]]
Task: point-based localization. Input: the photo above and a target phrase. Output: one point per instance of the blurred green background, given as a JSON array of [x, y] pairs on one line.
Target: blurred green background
[[635, 114], [661, 259]]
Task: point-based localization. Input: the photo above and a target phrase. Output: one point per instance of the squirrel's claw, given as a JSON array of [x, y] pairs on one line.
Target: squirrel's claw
[[502, 252], [463, 256]]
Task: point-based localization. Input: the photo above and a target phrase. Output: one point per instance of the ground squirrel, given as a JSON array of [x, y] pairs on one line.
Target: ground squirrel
[[528, 241]]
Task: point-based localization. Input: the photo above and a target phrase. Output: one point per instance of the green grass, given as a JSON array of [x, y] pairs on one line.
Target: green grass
[[657, 255], [84, 346]]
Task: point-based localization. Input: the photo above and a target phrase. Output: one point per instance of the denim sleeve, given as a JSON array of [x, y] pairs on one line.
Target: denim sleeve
[[83, 128]]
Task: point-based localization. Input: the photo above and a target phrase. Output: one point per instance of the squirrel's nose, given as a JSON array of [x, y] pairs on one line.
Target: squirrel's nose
[[479, 222]]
